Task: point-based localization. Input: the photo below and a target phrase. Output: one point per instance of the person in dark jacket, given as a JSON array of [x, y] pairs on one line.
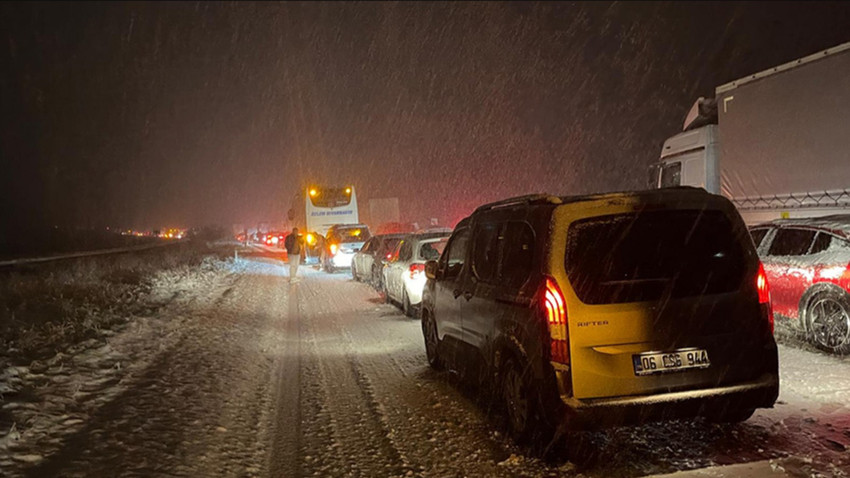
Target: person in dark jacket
[[294, 245]]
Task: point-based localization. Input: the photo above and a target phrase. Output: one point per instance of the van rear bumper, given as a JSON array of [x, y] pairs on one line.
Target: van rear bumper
[[602, 412]]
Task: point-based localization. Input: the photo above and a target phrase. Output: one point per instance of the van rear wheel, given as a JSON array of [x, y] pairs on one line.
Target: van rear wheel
[[517, 395]]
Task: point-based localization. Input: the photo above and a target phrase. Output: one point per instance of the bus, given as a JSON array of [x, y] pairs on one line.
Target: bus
[[316, 208]]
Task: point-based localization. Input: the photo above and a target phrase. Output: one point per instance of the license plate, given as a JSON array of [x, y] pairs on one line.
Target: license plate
[[662, 362]]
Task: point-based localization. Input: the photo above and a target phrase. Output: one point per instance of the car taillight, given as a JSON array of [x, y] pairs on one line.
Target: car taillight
[[763, 289], [416, 269], [555, 310]]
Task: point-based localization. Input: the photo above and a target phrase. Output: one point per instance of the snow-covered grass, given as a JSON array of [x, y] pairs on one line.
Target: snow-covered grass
[[46, 309]]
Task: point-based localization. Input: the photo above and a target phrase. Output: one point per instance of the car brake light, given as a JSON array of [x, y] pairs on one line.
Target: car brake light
[[763, 288], [556, 318], [416, 269]]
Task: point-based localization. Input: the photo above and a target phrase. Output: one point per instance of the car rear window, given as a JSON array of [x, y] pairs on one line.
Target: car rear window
[[791, 242], [652, 255], [353, 234], [758, 235], [389, 244]]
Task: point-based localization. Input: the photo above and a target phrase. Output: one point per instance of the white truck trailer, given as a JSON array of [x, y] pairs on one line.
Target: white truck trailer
[[777, 143]]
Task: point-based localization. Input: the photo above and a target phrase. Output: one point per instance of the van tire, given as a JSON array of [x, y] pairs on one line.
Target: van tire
[[836, 305], [518, 398]]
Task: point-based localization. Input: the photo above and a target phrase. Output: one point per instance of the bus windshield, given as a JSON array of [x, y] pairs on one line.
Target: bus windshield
[[330, 197]]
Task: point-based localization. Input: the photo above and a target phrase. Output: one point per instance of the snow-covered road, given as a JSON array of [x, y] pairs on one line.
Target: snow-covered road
[[257, 377]]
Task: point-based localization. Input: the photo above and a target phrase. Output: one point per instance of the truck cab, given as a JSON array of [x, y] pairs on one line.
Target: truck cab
[[774, 142], [690, 159]]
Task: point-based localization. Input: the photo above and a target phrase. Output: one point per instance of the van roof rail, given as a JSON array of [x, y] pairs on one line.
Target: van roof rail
[[520, 200]]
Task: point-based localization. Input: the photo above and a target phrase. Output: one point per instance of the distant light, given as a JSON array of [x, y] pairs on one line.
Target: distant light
[[347, 190], [313, 192], [311, 239], [334, 248]]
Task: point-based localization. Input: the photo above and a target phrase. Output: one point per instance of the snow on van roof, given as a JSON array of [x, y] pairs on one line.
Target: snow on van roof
[[547, 199], [673, 191]]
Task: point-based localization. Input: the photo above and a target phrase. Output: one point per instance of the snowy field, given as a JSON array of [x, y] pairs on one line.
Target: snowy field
[[240, 373]]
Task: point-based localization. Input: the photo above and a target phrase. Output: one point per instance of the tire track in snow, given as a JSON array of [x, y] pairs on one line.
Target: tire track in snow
[[301, 442], [363, 441], [286, 444], [444, 433]]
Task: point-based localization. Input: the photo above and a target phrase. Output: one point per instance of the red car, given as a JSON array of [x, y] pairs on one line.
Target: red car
[[807, 262]]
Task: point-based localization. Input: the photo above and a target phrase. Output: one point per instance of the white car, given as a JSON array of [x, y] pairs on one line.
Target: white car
[[404, 272], [341, 243]]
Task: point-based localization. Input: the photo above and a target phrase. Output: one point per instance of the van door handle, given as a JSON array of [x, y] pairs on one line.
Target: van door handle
[[467, 295]]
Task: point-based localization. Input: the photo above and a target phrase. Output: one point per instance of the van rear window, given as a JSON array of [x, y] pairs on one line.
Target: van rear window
[[651, 255]]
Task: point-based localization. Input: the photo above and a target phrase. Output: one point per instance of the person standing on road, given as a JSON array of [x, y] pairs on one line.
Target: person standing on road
[[294, 245]]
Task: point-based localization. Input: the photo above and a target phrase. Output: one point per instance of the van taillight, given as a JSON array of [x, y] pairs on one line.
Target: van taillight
[[556, 318], [763, 289], [556, 313]]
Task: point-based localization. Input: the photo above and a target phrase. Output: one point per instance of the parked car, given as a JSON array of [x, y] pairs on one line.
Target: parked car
[[369, 262], [404, 272], [807, 262], [341, 243], [605, 309]]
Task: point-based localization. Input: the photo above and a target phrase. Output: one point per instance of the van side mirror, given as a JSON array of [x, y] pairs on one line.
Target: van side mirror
[[431, 270]]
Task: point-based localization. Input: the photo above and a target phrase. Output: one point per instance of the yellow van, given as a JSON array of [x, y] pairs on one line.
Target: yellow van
[[605, 309]]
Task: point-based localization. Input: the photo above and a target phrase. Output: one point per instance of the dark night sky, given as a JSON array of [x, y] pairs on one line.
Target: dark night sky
[[152, 114]]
